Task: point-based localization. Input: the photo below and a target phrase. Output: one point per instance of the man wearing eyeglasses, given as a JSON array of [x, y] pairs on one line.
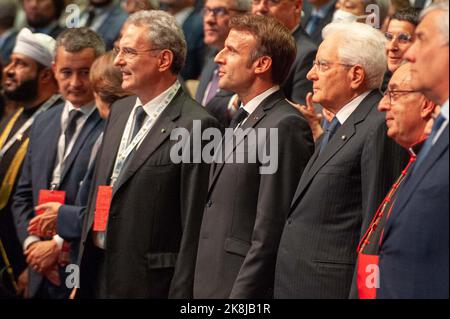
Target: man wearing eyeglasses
[[399, 37], [353, 167], [414, 253], [141, 230], [289, 12], [408, 115], [216, 17]]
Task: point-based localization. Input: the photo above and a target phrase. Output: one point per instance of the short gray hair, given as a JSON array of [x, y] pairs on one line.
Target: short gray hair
[[76, 39], [163, 33], [243, 5], [8, 10], [442, 22], [361, 44]]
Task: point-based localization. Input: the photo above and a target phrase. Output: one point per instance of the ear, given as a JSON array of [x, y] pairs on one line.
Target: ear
[[427, 109], [298, 7], [263, 65], [357, 77], [165, 60]]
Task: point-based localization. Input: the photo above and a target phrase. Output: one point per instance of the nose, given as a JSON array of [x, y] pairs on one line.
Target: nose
[[312, 74], [76, 80], [9, 69], [219, 59], [410, 54], [118, 61], [261, 8], [392, 45], [384, 104]]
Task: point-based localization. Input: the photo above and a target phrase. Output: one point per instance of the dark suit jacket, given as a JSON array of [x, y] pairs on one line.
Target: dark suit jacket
[[338, 194], [38, 169], [414, 251], [317, 34], [110, 29], [7, 48], [218, 104], [246, 211], [297, 85], [193, 31], [155, 213]]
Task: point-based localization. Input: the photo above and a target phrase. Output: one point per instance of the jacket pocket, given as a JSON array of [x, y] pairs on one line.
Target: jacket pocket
[[237, 246], [161, 260]]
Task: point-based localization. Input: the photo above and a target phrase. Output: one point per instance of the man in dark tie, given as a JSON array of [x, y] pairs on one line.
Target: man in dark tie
[[216, 17], [140, 233], [408, 115], [288, 12], [414, 251], [43, 16], [320, 16], [354, 165], [247, 207], [58, 155]]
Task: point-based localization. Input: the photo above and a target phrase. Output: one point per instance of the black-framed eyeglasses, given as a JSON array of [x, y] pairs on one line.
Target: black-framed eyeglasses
[[218, 11], [130, 53], [403, 38], [322, 65], [394, 95]]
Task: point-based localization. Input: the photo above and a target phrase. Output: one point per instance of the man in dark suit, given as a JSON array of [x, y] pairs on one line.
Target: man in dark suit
[[106, 17], [191, 22], [318, 18], [296, 85], [414, 251], [60, 145], [144, 243], [247, 207], [34, 87], [349, 174], [216, 17], [43, 16]]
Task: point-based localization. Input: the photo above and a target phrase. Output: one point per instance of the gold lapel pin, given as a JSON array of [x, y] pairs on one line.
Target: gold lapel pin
[[344, 137]]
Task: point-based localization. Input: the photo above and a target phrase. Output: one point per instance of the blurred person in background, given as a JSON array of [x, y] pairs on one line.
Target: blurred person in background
[[42, 16]]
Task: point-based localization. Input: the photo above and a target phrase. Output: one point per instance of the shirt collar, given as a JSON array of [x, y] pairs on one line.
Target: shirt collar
[[350, 107], [86, 109], [251, 106], [322, 12], [444, 110], [151, 106], [46, 30]]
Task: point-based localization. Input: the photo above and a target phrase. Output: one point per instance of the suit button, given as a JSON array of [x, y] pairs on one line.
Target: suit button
[[209, 204]]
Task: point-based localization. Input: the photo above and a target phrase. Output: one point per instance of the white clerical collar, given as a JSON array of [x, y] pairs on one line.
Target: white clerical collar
[[251, 106], [350, 107]]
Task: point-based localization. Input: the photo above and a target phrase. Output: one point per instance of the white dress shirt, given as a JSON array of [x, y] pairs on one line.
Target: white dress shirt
[[350, 107]]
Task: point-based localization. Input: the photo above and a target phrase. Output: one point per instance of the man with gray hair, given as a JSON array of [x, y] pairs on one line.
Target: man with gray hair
[[8, 11], [414, 253], [60, 146], [352, 169], [141, 231]]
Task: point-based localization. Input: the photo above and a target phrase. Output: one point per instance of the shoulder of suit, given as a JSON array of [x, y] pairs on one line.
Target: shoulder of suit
[[50, 114]]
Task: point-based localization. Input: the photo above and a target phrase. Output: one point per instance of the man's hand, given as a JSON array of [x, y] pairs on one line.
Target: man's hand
[[44, 225], [42, 255], [309, 112]]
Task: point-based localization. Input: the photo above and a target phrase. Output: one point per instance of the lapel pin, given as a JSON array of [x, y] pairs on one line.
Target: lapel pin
[[344, 137], [163, 131]]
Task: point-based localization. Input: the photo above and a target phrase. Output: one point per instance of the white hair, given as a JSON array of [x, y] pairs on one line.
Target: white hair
[[442, 21], [363, 45]]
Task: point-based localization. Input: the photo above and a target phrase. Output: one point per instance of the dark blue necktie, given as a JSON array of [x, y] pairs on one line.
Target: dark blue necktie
[[429, 143], [139, 118], [329, 132], [240, 115], [313, 24]]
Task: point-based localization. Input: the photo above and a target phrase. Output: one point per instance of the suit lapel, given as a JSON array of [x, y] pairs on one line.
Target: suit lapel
[[156, 136], [342, 136], [90, 124], [230, 145], [412, 183], [52, 142]]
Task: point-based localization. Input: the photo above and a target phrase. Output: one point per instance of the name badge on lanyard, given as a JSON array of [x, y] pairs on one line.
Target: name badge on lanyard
[[104, 193], [50, 196]]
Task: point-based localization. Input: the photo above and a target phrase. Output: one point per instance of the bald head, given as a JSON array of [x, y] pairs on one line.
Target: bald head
[[407, 111]]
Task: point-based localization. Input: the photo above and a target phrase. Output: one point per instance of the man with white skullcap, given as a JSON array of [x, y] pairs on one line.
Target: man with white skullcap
[[29, 81]]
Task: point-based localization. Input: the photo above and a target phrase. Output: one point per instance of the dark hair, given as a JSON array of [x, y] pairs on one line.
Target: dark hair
[[106, 79], [59, 7], [77, 39], [273, 40], [410, 15]]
